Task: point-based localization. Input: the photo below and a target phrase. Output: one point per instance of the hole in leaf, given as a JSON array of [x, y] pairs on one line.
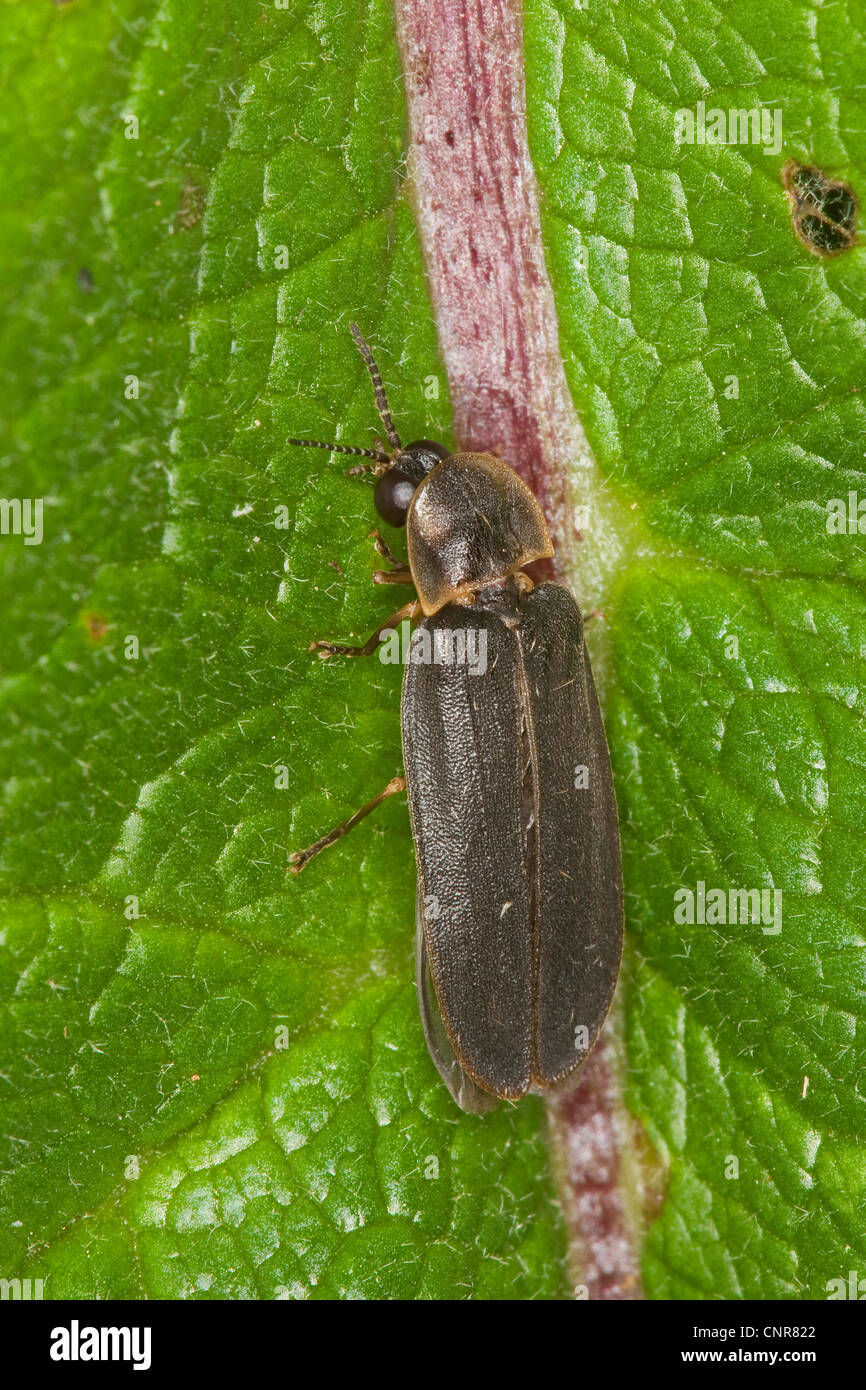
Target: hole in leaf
[[823, 210]]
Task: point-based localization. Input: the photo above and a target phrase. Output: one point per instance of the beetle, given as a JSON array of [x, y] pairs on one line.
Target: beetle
[[519, 915]]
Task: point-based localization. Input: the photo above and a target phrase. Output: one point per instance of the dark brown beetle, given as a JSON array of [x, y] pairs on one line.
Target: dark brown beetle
[[519, 912]]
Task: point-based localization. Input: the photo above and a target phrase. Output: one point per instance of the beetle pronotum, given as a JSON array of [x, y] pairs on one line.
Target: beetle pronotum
[[519, 909]]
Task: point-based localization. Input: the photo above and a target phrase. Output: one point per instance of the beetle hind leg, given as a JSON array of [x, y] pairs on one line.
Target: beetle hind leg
[[327, 649], [301, 857]]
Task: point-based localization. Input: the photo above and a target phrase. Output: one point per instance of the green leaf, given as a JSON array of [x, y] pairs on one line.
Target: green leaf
[[199, 199], [739, 762], [214, 1080]]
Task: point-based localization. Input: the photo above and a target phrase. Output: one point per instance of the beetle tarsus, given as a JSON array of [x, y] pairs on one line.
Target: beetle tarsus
[[376, 468], [324, 650]]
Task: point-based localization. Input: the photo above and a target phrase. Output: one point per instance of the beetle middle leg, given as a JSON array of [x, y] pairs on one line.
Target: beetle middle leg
[[326, 649], [303, 856]]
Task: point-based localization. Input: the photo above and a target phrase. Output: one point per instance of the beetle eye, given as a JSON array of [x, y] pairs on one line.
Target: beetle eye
[[392, 495]]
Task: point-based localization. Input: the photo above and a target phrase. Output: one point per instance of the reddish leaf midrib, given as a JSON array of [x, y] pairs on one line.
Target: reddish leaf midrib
[[477, 211]]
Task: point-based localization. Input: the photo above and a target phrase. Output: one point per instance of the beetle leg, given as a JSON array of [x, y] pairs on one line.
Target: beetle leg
[[398, 573], [303, 856], [384, 549], [400, 576], [326, 649], [382, 464], [377, 469]]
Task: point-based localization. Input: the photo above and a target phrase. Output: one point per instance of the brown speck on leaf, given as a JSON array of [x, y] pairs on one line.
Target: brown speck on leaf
[[335, 565], [190, 205], [823, 210], [84, 280], [96, 625]]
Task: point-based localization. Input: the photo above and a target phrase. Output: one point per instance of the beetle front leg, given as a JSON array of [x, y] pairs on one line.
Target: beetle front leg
[[326, 649], [384, 549], [397, 573]]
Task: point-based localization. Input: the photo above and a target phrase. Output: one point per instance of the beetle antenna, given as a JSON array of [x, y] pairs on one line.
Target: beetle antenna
[[375, 454], [381, 399]]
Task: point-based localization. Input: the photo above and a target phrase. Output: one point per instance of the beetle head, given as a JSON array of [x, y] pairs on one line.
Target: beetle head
[[471, 521], [399, 472], [396, 487]]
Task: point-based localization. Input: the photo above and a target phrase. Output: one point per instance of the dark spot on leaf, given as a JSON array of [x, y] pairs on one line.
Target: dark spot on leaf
[[84, 280], [96, 625], [335, 565], [449, 137], [190, 205], [823, 210]]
